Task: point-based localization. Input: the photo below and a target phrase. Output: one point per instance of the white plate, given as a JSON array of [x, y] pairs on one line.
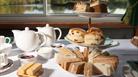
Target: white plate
[[127, 71], [77, 75], [90, 14], [7, 67], [107, 41]]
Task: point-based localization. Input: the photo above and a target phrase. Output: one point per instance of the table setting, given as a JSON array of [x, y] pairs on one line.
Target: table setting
[[44, 52]]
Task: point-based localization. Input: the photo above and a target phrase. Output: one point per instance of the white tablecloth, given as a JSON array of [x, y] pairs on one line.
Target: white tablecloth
[[125, 51]]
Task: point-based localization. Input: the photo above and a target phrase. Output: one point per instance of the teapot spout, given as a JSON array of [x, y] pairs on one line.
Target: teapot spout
[[38, 28]]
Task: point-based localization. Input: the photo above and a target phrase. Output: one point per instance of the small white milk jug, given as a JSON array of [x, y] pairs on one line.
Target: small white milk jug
[[50, 33]]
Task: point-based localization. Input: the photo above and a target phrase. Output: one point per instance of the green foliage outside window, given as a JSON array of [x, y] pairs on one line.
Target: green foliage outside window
[[19, 2]]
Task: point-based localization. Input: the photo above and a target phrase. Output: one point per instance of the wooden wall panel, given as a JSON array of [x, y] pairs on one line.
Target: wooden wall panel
[[21, 25]]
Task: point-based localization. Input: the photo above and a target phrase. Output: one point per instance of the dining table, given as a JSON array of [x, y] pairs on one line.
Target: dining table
[[125, 51]]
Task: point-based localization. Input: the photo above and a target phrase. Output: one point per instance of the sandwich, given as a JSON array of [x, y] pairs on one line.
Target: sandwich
[[31, 69]]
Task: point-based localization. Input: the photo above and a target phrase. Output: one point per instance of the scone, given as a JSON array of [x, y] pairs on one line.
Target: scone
[[99, 6], [81, 7], [94, 36], [93, 39], [134, 41], [95, 30], [76, 35]]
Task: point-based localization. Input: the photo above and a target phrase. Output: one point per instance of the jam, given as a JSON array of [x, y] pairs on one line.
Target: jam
[[26, 56]]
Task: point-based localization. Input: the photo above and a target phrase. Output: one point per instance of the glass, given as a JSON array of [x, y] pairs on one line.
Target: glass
[[53, 7], [60, 6], [117, 6], [66, 6], [21, 7]]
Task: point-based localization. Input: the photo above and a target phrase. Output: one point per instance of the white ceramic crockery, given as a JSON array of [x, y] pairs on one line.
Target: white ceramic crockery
[[50, 33], [45, 52], [28, 40], [4, 39], [5, 48], [3, 60]]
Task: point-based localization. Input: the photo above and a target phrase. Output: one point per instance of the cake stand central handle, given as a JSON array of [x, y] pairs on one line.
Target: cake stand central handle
[[89, 23]]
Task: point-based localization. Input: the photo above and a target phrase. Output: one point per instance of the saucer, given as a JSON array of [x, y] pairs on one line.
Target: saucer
[[90, 14], [6, 67], [28, 57], [76, 75]]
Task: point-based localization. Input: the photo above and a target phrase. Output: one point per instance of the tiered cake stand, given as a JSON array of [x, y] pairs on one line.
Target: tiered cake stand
[[90, 15]]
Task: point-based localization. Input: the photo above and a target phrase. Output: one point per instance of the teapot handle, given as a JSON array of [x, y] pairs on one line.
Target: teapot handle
[[60, 33], [44, 37]]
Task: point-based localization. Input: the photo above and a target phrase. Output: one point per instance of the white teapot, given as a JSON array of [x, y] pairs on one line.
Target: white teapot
[[28, 40], [50, 33]]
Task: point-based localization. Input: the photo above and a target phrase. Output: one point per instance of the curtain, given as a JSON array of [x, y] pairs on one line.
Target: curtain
[[131, 15]]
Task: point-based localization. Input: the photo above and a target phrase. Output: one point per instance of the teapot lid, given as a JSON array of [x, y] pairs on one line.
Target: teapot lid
[[48, 26], [27, 29]]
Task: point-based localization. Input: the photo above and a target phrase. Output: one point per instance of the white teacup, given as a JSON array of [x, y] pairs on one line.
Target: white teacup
[[4, 39], [45, 52], [5, 48], [3, 59]]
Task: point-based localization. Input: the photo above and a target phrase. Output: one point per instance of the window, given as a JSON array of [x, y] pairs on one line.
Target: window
[[66, 6], [117, 6], [60, 6], [21, 7], [33, 7]]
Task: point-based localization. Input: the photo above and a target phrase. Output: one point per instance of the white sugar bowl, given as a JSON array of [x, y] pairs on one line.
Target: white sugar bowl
[[45, 52]]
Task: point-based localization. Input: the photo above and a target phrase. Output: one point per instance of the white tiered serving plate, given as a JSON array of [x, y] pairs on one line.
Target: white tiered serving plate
[[90, 14], [107, 42], [76, 75]]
